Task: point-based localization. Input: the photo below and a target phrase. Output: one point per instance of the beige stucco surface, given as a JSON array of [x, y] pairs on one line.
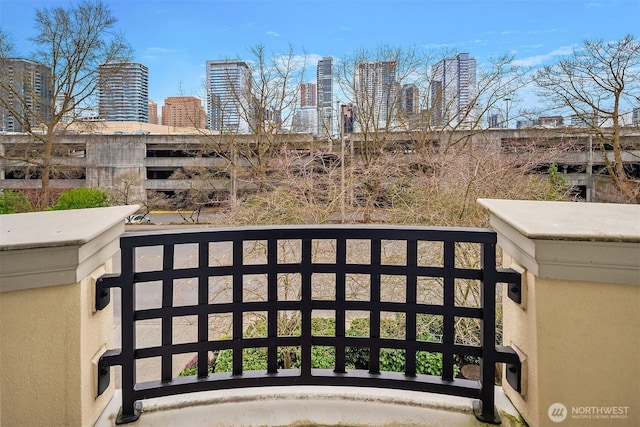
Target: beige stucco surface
[[48, 338], [581, 342]]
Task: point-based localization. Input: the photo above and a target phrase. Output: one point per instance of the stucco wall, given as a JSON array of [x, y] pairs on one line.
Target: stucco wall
[[582, 347], [49, 336]]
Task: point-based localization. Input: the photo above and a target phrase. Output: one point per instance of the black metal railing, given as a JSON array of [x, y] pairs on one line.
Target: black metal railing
[[417, 263]]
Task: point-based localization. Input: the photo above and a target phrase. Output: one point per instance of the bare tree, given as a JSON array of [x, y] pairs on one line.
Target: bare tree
[[596, 83], [70, 44], [370, 81], [403, 113], [203, 187], [249, 120]]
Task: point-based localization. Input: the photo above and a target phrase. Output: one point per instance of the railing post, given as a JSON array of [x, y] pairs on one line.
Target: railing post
[[51, 333], [577, 325], [486, 410]]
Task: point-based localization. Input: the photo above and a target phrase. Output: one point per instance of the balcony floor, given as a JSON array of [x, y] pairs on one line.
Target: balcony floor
[[310, 406]]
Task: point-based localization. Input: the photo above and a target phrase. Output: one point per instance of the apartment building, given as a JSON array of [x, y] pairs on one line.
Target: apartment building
[[153, 112], [123, 92], [453, 92], [184, 111], [25, 94], [308, 95], [229, 105], [324, 79], [375, 93]]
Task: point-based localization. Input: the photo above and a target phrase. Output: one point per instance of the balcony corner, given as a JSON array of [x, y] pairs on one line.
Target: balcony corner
[[578, 328], [50, 330]]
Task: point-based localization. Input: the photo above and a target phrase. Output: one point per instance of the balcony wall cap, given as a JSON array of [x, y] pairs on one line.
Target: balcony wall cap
[[39, 249], [592, 242], [541, 220]]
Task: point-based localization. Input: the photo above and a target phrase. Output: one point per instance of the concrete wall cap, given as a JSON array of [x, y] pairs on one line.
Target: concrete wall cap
[[54, 248], [58, 228], [589, 242], [540, 220]]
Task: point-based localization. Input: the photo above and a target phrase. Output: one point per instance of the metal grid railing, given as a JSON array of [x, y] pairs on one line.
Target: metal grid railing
[[375, 266]]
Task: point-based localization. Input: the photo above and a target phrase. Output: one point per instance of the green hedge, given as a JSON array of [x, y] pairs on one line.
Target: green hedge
[[81, 198], [12, 201], [323, 357]]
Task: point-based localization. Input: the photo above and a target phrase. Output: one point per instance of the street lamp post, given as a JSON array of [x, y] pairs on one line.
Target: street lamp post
[[342, 177], [507, 100]]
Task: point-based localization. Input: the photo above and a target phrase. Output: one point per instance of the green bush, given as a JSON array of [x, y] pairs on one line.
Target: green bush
[[81, 198], [191, 368], [12, 201], [323, 357], [392, 359]]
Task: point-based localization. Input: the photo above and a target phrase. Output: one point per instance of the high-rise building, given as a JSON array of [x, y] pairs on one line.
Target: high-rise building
[[453, 91], [348, 117], [306, 120], [25, 94], [68, 116], [635, 118], [308, 97], [123, 92], [325, 96], [153, 112], [550, 121], [183, 111], [496, 120], [409, 100], [375, 93], [229, 105]]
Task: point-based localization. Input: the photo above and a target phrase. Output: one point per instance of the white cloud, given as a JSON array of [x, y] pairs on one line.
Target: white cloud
[[157, 52], [530, 32], [535, 60], [439, 45], [273, 34], [299, 62]]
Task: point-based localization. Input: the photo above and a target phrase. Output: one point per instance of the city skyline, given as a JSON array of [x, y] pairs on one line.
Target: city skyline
[[184, 36]]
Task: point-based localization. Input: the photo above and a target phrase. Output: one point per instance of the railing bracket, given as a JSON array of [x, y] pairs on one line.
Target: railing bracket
[[104, 377], [103, 296], [108, 359], [514, 377], [513, 279], [510, 358]]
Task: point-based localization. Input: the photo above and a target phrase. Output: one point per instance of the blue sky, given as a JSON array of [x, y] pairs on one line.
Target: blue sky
[[175, 38]]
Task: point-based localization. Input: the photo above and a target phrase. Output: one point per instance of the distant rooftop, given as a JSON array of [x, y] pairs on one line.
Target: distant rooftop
[[111, 128]]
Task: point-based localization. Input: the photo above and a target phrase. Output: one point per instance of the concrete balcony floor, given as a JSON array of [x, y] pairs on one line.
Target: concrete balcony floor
[[310, 406]]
